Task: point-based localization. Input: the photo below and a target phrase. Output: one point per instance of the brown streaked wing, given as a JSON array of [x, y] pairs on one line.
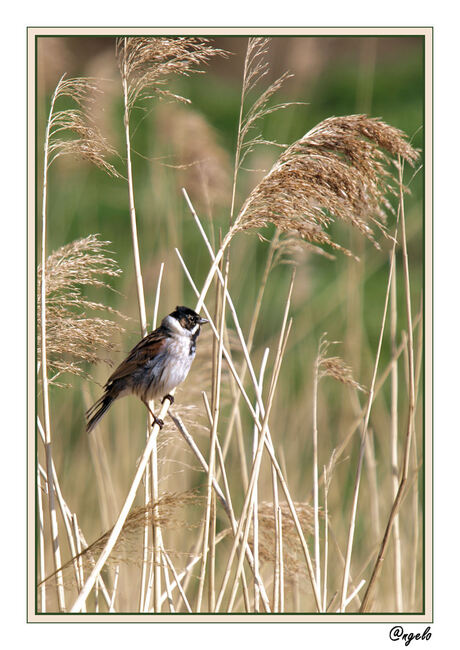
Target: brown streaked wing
[[146, 349]]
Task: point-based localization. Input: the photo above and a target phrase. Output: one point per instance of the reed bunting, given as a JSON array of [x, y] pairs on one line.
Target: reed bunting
[[156, 365]]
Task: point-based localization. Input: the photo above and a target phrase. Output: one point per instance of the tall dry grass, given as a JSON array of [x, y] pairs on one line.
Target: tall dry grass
[[221, 510]]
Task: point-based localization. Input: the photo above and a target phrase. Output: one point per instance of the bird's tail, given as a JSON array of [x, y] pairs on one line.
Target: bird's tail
[[94, 414]]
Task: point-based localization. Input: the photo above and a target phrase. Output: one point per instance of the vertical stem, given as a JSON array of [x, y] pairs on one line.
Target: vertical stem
[[145, 543], [315, 471], [132, 208], [410, 331], [394, 443], [44, 371], [116, 530], [281, 559], [255, 519], [156, 530], [365, 605], [212, 454], [268, 444], [143, 326], [346, 573], [326, 539], [238, 139], [42, 570]]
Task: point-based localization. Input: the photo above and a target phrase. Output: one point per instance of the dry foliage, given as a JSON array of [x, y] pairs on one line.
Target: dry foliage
[[334, 367], [81, 136], [293, 559], [338, 170], [147, 63], [255, 68], [72, 336], [127, 550]]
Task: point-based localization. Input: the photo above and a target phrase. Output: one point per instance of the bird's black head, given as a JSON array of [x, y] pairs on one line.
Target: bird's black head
[[188, 318]]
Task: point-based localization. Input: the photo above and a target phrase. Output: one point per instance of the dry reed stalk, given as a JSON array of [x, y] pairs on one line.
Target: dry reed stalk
[[225, 500], [353, 595], [252, 328], [58, 496], [44, 368], [234, 412], [315, 466], [415, 493], [212, 555], [326, 483], [374, 495], [167, 582], [255, 68], [336, 171], [89, 144], [255, 521], [247, 515], [78, 550], [245, 518], [248, 363], [150, 487], [363, 439], [145, 544], [41, 544], [176, 582], [277, 572], [128, 538], [236, 425], [397, 569], [278, 605], [110, 543], [365, 605], [122, 51], [336, 368], [114, 591], [378, 386], [187, 572], [145, 65], [268, 443], [212, 452], [66, 515], [154, 487]]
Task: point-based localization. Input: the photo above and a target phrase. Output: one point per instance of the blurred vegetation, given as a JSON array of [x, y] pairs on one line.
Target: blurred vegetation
[[383, 77]]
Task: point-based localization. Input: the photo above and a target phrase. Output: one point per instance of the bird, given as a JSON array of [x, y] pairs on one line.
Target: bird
[[155, 366]]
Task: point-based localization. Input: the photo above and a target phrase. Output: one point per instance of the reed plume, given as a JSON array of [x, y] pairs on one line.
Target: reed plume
[[334, 367], [72, 336], [127, 550], [73, 132], [146, 64], [292, 559], [338, 170]]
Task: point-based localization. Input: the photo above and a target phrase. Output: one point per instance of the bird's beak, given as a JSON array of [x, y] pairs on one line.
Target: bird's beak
[[203, 321]]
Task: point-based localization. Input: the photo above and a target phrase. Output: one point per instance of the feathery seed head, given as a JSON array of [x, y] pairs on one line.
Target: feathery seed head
[[73, 337], [338, 170]]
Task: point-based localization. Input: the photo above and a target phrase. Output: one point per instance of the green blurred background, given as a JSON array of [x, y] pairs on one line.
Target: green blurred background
[[333, 76]]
